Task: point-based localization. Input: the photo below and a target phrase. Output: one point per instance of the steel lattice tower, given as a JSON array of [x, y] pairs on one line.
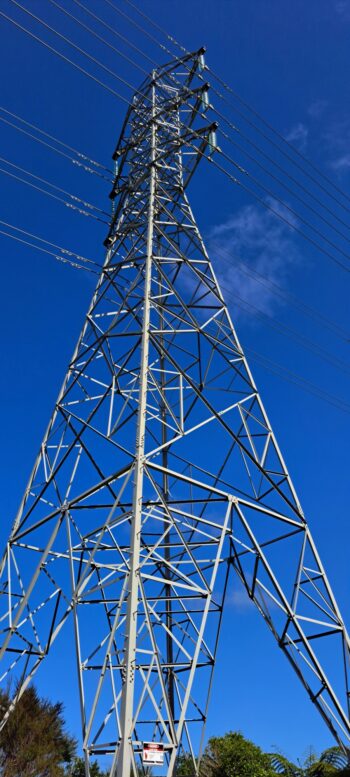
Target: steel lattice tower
[[159, 471]]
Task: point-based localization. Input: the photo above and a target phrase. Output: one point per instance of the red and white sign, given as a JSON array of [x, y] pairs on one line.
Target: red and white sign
[[153, 753]]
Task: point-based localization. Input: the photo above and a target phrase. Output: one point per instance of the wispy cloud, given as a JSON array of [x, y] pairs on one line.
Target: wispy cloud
[[238, 599], [317, 108], [253, 250], [298, 135], [337, 140], [342, 8], [341, 164]]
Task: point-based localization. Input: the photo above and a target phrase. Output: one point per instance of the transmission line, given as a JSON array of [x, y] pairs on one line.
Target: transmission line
[[233, 162], [222, 97], [54, 196], [57, 188], [298, 380], [281, 151], [66, 251], [282, 202], [290, 177], [63, 259], [58, 151], [157, 27], [287, 331], [291, 191], [80, 154], [74, 45], [66, 59], [331, 243], [285, 141], [226, 156], [114, 31], [99, 37], [135, 24], [268, 207], [231, 260], [269, 365]]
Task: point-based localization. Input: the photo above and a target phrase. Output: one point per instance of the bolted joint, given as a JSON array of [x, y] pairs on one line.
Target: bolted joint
[[108, 242]]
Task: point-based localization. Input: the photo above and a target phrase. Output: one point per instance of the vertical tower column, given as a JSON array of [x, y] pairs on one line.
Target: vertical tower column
[[125, 755]]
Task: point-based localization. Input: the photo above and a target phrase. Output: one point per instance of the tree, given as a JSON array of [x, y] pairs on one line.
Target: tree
[[34, 742], [185, 766], [77, 769], [331, 762], [234, 756]]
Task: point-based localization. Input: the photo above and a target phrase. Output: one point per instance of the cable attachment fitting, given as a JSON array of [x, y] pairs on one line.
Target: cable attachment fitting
[[212, 139], [205, 97], [201, 61]]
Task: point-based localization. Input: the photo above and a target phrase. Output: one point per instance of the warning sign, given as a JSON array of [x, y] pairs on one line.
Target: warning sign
[[153, 753]]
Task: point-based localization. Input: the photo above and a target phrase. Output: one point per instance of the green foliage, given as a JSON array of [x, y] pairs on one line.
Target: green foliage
[[234, 756], [77, 769], [34, 742], [331, 762], [185, 766], [286, 768]]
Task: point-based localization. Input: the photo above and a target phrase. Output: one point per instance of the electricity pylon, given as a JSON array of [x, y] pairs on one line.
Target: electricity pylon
[[159, 472]]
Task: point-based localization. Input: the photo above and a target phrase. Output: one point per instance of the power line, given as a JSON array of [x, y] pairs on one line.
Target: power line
[[279, 167], [232, 178], [80, 154], [278, 180], [281, 202], [237, 97], [132, 21], [298, 380], [63, 259], [283, 139], [99, 37], [114, 32], [65, 251], [268, 207], [54, 196], [281, 151], [287, 331], [226, 156], [157, 27], [291, 191], [76, 162], [57, 188], [65, 59], [274, 288], [269, 365], [73, 45]]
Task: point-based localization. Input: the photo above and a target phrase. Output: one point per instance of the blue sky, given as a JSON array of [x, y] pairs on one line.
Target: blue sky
[[290, 61]]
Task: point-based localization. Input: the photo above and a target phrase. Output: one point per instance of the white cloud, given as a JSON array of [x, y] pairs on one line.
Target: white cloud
[[317, 108], [337, 139], [298, 135], [266, 248], [341, 164], [342, 8], [239, 599]]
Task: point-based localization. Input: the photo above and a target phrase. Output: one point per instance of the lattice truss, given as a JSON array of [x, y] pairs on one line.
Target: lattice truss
[[158, 473]]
